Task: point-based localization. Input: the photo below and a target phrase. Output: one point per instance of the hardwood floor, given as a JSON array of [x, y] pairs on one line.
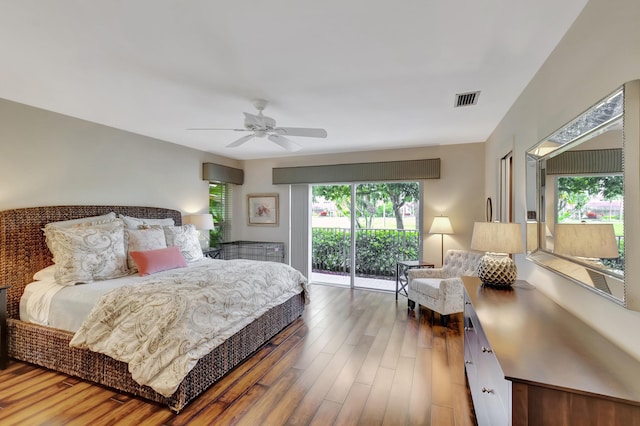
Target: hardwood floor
[[355, 357]]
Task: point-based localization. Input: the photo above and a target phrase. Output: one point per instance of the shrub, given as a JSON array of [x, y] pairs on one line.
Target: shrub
[[377, 250]]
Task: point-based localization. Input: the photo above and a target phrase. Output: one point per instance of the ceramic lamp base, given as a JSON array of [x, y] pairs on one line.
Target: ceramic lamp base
[[497, 270]]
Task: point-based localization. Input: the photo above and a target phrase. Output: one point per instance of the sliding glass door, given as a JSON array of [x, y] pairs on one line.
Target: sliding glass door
[[360, 232]]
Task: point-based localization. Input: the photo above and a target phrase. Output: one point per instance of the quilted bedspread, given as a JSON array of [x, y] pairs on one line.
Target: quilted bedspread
[[163, 326]]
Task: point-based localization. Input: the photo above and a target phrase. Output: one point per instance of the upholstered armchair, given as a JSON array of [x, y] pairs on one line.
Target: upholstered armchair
[[440, 289]]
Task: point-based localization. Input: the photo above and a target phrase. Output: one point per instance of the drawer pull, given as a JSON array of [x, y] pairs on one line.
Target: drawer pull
[[468, 329], [486, 350], [486, 390], [468, 362], [467, 302]]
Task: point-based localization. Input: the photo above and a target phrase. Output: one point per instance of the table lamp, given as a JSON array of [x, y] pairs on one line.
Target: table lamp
[[202, 222], [498, 240]]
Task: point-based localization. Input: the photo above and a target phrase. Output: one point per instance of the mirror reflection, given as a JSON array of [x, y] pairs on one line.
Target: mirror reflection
[[575, 199]]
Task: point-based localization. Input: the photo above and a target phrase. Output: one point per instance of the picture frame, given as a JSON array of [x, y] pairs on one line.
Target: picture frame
[[262, 209]]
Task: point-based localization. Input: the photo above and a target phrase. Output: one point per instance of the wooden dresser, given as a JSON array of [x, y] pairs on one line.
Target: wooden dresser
[[531, 362]]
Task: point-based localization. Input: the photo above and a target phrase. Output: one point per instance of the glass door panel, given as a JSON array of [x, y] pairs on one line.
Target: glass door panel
[[385, 230], [331, 234]]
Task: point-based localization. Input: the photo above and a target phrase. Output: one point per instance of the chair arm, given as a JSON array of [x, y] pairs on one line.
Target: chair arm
[[451, 292], [425, 273], [449, 286]]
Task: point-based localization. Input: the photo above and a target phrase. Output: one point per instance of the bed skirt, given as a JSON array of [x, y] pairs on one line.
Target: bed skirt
[[48, 347]]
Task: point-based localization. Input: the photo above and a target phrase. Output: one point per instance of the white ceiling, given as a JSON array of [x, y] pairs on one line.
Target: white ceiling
[[375, 74]]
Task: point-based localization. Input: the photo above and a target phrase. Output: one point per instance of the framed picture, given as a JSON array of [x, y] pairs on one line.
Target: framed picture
[[262, 209]]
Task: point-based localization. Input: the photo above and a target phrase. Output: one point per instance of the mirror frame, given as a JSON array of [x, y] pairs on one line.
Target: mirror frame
[[565, 138]]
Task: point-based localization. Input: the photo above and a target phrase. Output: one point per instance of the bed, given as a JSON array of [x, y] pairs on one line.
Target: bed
[[23, 252]]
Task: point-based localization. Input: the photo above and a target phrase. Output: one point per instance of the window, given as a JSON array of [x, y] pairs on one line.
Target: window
[[220, 206]]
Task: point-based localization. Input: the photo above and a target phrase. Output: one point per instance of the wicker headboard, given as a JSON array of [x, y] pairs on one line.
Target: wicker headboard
[[23, 250]]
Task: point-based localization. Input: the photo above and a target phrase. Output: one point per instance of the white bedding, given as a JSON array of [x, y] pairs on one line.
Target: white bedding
[[66, 307], [162, 324]]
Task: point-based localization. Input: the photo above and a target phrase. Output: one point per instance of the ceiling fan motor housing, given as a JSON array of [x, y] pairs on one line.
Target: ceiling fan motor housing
[[267, 124]]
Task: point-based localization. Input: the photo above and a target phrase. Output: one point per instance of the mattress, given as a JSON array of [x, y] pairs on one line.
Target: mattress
[[47, 303]]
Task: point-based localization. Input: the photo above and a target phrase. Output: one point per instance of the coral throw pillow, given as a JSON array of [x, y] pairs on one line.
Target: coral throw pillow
[[152, 261]]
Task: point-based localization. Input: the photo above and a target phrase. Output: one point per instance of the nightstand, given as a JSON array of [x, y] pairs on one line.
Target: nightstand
[[4, 337], [212, 252]]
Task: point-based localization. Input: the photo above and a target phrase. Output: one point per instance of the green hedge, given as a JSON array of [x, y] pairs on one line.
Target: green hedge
[[378, 250], [330, 249]]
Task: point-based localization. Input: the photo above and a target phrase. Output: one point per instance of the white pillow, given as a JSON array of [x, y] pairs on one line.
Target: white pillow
[[136, 222], [143, 240], [46, 274], [88, 253], [185, 237], [84, 221]]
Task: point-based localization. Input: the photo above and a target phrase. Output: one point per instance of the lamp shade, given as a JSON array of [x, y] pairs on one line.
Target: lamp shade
[[200, 221], [594, 240], [441, 225], [497, 237]]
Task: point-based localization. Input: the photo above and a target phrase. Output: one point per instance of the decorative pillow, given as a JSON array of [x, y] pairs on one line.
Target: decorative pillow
[[74, 223], [185, 237], [142, 240], [84, 221], [137, 223], [88, 253], [152, 261]]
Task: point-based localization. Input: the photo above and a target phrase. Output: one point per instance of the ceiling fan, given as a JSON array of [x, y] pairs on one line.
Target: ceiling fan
[[261, 126]]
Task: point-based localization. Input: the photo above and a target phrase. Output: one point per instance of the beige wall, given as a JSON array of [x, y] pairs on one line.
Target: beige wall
[[459, 193], [598, 54], [52, 159]]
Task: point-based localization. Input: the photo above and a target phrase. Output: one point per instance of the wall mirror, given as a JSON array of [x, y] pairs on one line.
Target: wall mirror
[[575, 199]]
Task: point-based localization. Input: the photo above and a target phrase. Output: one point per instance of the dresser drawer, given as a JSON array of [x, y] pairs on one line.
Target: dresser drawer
[[495, 390], [489, 390], [486, 391], [489, 409]]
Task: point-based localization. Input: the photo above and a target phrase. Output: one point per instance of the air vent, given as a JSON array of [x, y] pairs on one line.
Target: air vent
[[466, 99]]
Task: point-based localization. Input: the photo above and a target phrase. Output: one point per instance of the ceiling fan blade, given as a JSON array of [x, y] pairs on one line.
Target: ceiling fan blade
[[285, 143], [240, 141], [302, 131], [216, 128]]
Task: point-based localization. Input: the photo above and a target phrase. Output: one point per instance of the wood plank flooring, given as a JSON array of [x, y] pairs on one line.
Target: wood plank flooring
[[355, 357]]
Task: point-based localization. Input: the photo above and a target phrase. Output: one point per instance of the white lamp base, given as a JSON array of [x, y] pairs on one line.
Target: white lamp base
[[203, 238], [497, 270]]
